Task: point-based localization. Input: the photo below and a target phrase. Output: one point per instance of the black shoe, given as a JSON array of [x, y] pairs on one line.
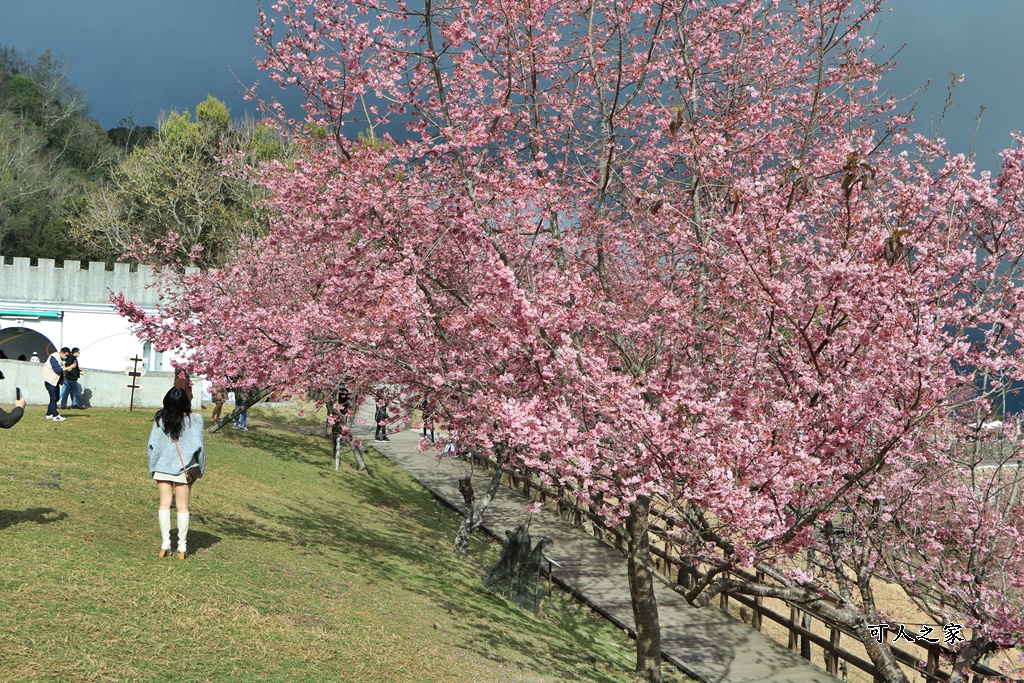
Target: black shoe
[[386, 439]]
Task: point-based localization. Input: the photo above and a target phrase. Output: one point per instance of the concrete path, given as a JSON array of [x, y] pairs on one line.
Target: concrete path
[[705, 643]]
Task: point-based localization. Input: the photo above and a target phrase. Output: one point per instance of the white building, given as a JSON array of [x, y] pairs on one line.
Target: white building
[[44, 307]]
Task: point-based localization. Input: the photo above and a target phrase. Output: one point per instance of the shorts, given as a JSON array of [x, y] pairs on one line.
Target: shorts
[[175, 478]]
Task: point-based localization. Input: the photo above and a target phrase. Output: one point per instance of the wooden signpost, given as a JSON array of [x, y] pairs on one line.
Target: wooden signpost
[[134, 373]]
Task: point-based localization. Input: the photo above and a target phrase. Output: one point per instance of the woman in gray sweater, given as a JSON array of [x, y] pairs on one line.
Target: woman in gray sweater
[[175, 443]]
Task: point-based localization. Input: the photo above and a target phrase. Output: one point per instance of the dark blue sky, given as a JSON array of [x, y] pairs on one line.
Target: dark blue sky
[[139, 58]]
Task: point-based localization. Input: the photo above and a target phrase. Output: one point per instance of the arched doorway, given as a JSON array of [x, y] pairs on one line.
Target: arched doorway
[[16, 342]]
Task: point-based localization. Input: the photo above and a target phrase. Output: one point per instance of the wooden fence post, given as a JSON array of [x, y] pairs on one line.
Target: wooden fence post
[[933, 664], [755, 619], [683, 578], [832, 656]]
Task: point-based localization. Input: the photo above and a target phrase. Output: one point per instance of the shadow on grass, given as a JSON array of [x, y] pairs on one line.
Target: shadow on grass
[[389, 541], [197, 540], [393, 546], [386, 544], [38, 515], [300, 443], [382, 527], [289, 446]]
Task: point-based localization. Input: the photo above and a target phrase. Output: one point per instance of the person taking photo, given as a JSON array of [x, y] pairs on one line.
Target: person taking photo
[[9, 419]]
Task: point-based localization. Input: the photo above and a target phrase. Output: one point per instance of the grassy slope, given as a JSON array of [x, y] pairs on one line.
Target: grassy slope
[[299, 573]]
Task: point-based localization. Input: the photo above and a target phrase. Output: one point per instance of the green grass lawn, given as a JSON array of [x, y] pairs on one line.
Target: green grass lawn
[[297, 572]]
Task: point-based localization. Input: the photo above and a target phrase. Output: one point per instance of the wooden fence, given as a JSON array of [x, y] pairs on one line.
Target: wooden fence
[[927, 660]]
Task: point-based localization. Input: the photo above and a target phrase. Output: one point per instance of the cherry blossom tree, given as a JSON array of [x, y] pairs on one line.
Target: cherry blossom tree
[[676, 255], [850, 393]]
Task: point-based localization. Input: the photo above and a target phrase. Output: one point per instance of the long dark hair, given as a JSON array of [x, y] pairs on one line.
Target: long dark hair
[[171, 417]]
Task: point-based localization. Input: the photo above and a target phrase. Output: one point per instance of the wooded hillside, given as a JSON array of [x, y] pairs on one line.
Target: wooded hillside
[[71, 190]]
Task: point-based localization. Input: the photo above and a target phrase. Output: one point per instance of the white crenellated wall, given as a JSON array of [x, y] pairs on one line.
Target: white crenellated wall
[[75, 282], [80, 293]]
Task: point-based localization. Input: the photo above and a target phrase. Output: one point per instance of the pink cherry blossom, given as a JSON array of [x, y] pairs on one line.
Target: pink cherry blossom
[[677, 256]]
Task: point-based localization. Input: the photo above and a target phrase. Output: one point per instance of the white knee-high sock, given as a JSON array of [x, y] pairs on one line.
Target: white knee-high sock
[[182, 530], [165, 528]]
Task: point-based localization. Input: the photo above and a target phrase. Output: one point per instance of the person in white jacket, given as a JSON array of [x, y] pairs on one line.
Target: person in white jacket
[[53, 368]]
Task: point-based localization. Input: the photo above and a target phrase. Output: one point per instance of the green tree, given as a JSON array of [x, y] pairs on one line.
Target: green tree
[[213, 115], [187, 182], [51, 153]]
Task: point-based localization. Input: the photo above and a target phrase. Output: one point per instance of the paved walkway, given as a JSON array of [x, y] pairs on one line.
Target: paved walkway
[[705, 643]]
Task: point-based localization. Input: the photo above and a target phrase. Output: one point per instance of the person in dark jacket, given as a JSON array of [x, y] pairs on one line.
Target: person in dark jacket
[[72, 387], [9, 419], [381, 417], [344, 400], [428, 420]]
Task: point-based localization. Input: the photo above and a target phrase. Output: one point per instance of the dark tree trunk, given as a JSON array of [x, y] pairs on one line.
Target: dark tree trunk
[[641, 590], [969, 655], [805, 642], [249, 403], [474, 514]]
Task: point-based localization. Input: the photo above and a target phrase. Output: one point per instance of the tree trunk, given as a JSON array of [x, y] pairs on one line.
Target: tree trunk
[[360, 463], [969, 655], [805, 620], [641, 590], [249, 403], [357, 451], [805, 642], [474, 514], [881, 656], [340, 440]]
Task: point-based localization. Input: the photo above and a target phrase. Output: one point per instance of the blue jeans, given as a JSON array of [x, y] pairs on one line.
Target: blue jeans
[[73, 388], [51, 407], [240, 418]]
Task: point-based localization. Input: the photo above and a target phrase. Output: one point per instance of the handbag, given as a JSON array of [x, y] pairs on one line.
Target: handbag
[[192, 472]]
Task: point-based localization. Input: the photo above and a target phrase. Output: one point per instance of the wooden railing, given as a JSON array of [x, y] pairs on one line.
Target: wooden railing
[[928, 663]]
